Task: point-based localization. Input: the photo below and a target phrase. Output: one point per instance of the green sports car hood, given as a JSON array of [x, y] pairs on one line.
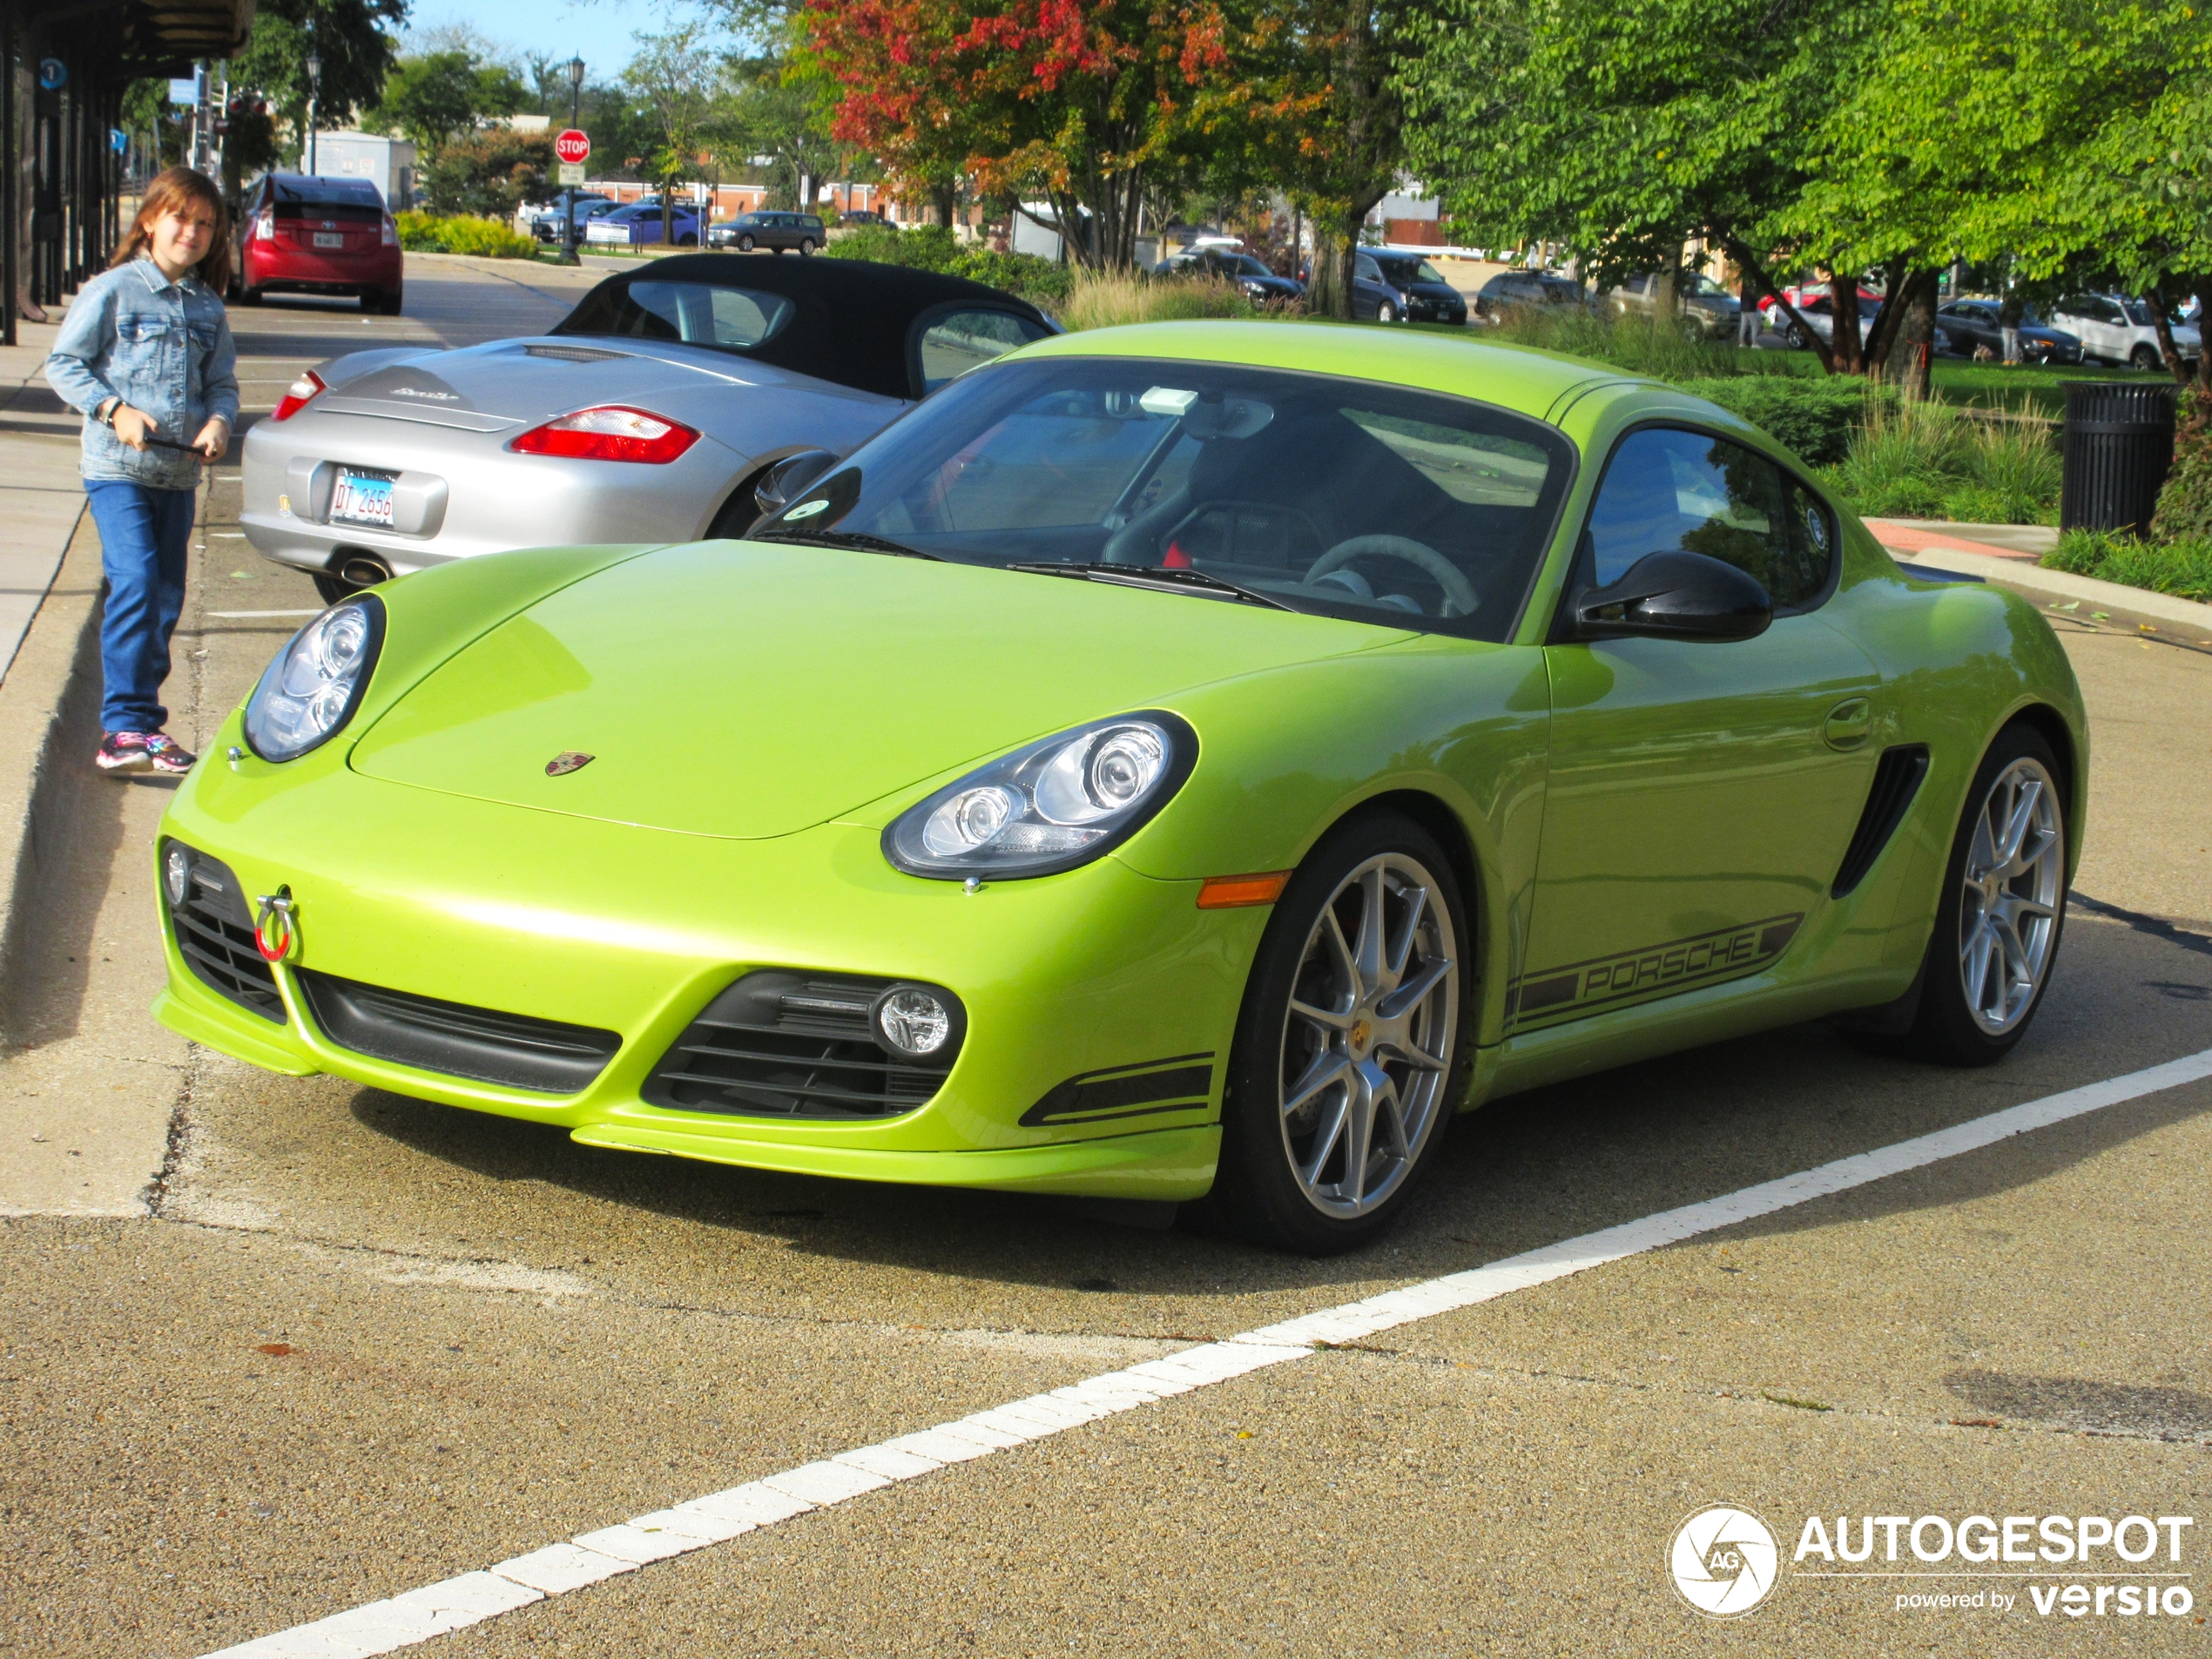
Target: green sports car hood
[[750, 690]]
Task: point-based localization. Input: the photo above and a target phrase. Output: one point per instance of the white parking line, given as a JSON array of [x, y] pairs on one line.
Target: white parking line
[[383, 1627], [233, 615]]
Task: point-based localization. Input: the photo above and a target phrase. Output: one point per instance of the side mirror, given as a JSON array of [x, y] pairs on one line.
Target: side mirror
[[1676, 596], [781, 484]]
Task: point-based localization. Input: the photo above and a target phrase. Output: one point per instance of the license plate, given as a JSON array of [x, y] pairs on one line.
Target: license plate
[[362, 498], [330, 238]]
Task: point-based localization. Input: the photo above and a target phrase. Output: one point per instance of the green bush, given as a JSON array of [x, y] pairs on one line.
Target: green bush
[[934, 247], [2182, 568], [1105, 301], [1816, 418], [486, 237], [2185, 504], [489, 174], [1931, 460], [1638, 344]]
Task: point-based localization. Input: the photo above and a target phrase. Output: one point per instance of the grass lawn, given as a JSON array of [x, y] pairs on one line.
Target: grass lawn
[[1982, 385]]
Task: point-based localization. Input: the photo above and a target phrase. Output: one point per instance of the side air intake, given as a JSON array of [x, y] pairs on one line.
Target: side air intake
[[1897, 780]]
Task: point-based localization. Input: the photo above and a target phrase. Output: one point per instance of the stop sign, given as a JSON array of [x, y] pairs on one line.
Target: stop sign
[[572, 146]]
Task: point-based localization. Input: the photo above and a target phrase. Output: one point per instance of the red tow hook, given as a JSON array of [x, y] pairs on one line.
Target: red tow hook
[[275, 930]]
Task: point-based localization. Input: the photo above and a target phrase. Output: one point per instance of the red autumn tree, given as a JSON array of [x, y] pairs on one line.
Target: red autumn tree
[[1083, 102]]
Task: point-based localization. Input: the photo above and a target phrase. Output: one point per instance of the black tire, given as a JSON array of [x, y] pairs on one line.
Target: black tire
[[1798, 338], [1386, 312], [805, 246], [1945, 1029], [384, 304], [250, 296], [741, 512], [333, 588], [1258, 1194], [687, 241], [2145, 358], [745, 245]]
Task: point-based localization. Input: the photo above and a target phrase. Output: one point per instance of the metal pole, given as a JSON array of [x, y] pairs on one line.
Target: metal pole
[[576, 120]]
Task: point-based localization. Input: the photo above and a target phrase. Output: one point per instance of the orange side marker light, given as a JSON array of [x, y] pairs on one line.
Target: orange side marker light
[[1231, 892]]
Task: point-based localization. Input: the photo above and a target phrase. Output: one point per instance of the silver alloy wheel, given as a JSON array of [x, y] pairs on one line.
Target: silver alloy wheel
[[2008, 915], [1368, 1036]]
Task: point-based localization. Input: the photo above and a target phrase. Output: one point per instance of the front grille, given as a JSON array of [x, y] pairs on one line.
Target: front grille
[[783, 1044], [1897, 780], [215, 932], [481, 1044]]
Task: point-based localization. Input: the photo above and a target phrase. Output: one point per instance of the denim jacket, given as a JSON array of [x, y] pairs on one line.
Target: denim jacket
[[165, 348]]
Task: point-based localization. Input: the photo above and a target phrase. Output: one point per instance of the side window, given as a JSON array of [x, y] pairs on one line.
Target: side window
[[963, 339], [1667, 490]]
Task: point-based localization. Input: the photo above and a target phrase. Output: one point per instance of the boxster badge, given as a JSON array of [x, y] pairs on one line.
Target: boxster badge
[[566, 762]]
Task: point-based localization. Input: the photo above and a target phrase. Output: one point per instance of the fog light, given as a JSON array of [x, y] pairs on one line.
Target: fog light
[[914, 1021], [176, 873]]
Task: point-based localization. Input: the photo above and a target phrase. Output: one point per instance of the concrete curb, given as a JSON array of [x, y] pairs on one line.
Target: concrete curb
[[2106, 596], [49, 702]]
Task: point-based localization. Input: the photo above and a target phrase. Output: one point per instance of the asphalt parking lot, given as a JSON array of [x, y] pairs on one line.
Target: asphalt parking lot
[[352, 1345]]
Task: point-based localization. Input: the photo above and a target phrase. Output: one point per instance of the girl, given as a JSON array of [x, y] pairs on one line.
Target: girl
[[145, 355]]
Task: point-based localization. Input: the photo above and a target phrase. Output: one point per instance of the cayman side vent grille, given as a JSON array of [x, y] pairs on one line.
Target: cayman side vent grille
[[783, 1044], [214, 931], [481, 1044], [575, 353], [1897, 780]]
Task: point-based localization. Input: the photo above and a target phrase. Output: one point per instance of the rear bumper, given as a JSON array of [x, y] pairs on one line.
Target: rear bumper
[[493, 501], [295, 271]]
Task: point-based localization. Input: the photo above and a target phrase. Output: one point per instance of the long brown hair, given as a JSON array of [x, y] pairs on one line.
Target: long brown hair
[[171, 191]]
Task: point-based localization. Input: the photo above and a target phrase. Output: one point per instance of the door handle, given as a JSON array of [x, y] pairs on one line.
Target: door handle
[[1848, 724]]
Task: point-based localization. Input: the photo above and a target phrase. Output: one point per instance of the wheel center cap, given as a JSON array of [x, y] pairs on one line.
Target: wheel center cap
[[1362, 1034]]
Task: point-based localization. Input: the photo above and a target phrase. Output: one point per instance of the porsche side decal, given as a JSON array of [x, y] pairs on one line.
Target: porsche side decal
[[1701, 959], [1182, 1082]]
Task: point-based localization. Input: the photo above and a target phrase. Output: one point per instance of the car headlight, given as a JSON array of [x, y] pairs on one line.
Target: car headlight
[[310, 690], [1049, 807]]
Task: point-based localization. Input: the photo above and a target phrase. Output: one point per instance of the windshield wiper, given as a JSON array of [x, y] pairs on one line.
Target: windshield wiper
[[1151, 576], [858, 540]]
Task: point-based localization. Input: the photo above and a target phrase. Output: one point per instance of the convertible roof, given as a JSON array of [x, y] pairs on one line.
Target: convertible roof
[[854, 319]]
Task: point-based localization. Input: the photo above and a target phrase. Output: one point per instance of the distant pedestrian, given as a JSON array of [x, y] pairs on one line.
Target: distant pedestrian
[[145, 355], [2010, 311], [1747, 313]]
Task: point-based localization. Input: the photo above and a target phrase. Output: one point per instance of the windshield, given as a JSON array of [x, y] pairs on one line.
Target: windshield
[[2138, 313], [325, 192], [1337, 497]]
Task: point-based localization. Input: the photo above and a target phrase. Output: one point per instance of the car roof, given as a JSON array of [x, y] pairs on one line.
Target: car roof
[[853, 317], [1513, 377]]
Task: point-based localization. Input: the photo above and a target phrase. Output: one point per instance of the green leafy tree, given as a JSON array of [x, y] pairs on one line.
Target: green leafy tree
[[436, 97], [490, 174], [352, 38], [681, 81]]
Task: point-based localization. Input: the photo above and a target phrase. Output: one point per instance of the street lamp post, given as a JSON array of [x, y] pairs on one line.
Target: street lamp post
[[575, 119], [314, 91]]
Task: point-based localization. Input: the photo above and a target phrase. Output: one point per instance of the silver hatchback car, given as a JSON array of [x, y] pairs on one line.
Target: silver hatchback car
[[651, 414]]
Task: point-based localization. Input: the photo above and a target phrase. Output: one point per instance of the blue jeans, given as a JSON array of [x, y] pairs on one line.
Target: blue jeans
[[146, 534]]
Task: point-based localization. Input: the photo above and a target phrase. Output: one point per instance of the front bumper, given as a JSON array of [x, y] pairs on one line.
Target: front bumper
[[635, 931]]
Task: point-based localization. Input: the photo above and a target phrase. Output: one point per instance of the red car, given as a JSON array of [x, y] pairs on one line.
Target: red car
[[298, 234]]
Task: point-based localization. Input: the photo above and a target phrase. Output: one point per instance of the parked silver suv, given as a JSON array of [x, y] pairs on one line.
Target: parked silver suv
[[768, 230]]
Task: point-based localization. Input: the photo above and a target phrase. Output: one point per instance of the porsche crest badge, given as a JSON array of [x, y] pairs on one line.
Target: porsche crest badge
[[562, 765]]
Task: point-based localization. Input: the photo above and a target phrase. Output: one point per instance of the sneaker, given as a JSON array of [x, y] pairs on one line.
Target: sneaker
[[167, 754], [124, 752]]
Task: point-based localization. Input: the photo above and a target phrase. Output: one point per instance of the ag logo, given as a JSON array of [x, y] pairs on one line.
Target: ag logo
[[1723, 1560]]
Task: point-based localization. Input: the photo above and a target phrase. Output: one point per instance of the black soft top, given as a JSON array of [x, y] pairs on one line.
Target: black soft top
[[853, 323]]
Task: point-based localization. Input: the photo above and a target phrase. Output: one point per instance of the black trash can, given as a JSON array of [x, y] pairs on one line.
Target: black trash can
[[2118, 445]]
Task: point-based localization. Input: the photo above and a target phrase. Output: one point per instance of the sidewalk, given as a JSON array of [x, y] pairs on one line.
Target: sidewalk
[[41, 499], [2028, 542], [2008, 554]]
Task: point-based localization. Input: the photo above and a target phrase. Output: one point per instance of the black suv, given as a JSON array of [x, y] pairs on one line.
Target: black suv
[[1527, 288], [770, 230]]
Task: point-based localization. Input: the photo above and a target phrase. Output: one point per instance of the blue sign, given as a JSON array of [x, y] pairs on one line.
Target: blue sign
[[118, 140], [185, 93], [53, 74]]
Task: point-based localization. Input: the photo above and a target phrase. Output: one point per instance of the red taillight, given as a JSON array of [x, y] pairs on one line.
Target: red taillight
[[391, 233], [608, 434], [265, 227], [297, 396]]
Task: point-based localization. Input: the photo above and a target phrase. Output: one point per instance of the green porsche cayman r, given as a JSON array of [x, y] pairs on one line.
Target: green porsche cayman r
[[1182, 762]]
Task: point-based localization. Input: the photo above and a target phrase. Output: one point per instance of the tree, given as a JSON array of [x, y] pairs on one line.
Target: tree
[[1626, 128], [489, 173], [437, 96], [1079, 101], [348, 35], [679, 80]]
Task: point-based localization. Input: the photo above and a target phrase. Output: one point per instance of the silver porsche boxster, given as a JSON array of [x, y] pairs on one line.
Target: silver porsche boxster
[[651, 414]]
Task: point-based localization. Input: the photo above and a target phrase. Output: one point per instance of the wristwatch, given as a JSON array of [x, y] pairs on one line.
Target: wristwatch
[[105, 414]]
